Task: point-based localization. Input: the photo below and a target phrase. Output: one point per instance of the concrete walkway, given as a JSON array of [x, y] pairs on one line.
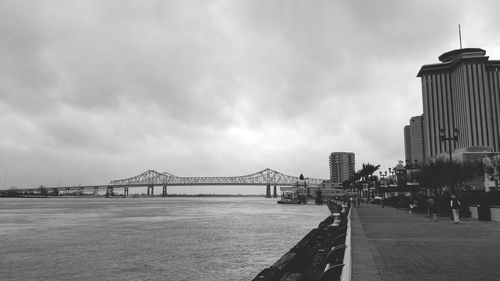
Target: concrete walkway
[[390, 244]]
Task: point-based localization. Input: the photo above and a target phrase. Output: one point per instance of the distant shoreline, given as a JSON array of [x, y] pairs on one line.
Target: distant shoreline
[[135, 196], [215, 195]]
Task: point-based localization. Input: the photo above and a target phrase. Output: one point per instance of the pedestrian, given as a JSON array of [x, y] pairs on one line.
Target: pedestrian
[[455, 208], [413, 205], [432, 208]]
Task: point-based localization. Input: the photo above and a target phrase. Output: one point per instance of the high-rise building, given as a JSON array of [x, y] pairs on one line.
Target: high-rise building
[[462, 92], [414, 140], [341, 166], [417, 138], [407, 134]]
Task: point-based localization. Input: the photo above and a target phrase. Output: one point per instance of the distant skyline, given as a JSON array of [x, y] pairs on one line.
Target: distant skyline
[[92, 91]]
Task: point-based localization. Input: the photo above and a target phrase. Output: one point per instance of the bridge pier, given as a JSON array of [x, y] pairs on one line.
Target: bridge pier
[[275, 194], [81, 191], [125, 191], [109, 191], [164, 192], [268, 191], [67, 191], [150, 190]]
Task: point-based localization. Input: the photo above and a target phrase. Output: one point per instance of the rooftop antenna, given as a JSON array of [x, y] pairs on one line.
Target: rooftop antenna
[[460, 36]]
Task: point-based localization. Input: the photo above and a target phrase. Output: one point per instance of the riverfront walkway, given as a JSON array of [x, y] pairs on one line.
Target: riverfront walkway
[[390, 244]]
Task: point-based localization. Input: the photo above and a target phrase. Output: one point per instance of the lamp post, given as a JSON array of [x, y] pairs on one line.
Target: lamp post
[[454, 138], [383, 175], [384, 187], [391, 175]]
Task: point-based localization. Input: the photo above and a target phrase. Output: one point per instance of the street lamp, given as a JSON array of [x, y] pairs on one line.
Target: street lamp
[[383, 175], [454, 138], [390, 178]]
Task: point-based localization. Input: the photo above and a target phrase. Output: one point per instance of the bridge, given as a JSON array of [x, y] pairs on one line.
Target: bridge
[[151, 178]]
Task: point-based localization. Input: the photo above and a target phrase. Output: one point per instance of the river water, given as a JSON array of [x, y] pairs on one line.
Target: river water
[[147, 238]]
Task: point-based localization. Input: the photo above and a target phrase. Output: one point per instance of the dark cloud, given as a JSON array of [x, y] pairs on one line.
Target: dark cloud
[[94, 90]]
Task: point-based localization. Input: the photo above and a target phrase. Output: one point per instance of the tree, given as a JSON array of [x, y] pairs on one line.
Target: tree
[[368, 170], [346, 184], [436, 175]]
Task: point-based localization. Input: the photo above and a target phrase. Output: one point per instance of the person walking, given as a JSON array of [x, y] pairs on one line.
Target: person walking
[[455, 208], [432, 208]]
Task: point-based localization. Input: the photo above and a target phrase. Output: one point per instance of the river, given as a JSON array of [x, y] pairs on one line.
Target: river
[[147, 238]]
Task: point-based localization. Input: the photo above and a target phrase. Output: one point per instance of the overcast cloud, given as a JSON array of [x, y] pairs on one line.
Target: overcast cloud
[[92, 91]]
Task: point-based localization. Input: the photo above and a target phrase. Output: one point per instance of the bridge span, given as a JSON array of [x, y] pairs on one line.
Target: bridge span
[[150, 179]]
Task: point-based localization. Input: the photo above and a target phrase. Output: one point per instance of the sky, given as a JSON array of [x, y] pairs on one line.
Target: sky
[[92, 91]]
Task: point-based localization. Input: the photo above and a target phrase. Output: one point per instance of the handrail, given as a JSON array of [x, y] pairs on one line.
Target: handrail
[[334, 269], [347, 269]]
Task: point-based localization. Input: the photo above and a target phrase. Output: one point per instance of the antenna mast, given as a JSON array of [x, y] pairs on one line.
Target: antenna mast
[[460, 36]]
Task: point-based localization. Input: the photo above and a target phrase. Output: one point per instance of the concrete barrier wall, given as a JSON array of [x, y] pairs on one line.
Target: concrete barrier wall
[[495, 213], [473, 212]]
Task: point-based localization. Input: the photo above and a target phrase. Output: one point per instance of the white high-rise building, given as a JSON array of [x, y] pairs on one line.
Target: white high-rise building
[[341, 166]]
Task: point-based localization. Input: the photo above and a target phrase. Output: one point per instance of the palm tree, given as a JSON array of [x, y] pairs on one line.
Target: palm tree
[[368, 170]]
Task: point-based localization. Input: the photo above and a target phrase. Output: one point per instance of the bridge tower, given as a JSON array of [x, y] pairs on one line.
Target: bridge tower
[[150, 190], [164, 192], [268, 191]]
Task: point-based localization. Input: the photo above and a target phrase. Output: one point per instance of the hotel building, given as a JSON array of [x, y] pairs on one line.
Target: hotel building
[[462, 92]]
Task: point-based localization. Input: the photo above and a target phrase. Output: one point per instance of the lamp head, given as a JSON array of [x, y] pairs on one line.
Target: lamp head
[[442, 133]]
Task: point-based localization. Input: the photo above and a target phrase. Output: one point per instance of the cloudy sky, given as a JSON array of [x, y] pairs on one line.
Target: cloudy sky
[[92, 91]]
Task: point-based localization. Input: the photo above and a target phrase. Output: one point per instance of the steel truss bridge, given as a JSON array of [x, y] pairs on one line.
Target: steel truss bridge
[[150, 179]]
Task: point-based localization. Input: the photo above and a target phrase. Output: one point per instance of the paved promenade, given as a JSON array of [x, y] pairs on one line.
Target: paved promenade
[[390, 244]]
